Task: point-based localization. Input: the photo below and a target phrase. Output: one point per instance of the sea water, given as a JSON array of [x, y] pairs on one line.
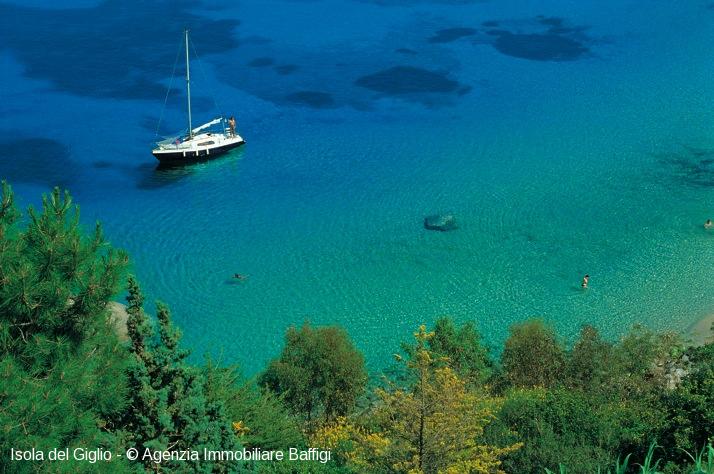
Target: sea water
[[568, 138]]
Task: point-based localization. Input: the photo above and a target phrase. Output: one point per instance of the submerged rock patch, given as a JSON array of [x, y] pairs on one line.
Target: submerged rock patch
[[540, 47], [314, 99], [285, 69], [261, 62], [92, 48], [693, 166], [544, 38], [401, 80], [440, 222], [449, 35], [405, 51], [38, 161]]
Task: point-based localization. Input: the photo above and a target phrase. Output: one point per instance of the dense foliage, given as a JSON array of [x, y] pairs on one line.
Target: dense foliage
[[459, 348], [168, 404], [62, 367], [319, 372], [75, 374]]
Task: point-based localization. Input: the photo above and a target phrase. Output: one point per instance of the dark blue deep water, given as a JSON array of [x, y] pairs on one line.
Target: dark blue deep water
[[568, 138]]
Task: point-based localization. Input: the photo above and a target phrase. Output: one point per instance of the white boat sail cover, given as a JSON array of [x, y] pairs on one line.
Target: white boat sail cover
[[180, 138], [206, 125]]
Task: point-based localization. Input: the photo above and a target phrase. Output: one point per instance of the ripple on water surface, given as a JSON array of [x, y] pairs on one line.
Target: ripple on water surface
[[322, 240]]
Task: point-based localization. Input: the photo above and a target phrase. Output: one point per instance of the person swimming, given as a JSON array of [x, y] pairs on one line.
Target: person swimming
[[240, 277], [586, 280], [709, 224]]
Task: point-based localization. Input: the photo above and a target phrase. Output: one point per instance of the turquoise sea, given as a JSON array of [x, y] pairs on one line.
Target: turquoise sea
[[567, 137]]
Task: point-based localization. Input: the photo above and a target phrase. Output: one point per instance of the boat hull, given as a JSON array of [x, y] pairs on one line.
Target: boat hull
[[182, 157]]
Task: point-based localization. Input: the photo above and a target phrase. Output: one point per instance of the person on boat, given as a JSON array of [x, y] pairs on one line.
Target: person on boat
[[709, 224], [586, 280], [240, 277], [232, 126]]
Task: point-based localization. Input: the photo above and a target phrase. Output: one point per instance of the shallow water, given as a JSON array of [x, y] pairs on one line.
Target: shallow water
[[568, 139]]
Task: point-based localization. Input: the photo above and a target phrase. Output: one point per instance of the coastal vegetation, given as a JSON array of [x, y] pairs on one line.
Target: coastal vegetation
[[68, 379]]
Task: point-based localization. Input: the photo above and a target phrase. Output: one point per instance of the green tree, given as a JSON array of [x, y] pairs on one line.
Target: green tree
[[590, 362], [611, 404], [555, 426], [61, 364], [318, 373], [532, 355], [56, 283], [169, 405], [690, 407], [436, 424], [639, 364], [260, 419], [460, 348]]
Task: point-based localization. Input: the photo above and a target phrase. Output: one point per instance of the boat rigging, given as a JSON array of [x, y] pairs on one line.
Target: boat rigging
[[207, 141]]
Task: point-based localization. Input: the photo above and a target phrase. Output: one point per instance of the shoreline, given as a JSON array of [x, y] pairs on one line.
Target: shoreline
[[701, 332]]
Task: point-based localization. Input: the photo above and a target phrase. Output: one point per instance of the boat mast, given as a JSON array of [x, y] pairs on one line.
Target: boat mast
[[188, 88]]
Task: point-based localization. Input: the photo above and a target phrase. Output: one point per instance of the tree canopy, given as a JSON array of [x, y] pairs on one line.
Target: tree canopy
[[319, 372], [533, 355], [61, 363]]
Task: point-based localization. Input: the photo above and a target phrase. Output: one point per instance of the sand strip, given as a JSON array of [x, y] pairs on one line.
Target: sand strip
[[702, 332]]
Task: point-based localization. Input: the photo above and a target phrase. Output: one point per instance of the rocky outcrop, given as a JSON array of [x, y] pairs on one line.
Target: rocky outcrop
[[670, 371], [440, 222], [118, 317]]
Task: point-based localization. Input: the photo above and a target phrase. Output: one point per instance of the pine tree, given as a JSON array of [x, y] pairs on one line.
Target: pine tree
[[145, 404], [169, 408], [61, 364], [258, 416]]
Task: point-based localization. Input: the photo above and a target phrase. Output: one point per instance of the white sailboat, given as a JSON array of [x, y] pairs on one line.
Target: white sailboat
[[201, 143]]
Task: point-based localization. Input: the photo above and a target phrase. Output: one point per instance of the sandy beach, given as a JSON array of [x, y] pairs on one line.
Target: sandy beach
[[701, 332]]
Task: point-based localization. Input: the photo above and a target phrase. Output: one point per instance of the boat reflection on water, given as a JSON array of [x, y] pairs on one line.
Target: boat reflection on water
[[167, 174]]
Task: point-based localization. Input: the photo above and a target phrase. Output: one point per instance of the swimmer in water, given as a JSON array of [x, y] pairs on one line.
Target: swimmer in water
[[240, 277], [709, 224], [586, 279]]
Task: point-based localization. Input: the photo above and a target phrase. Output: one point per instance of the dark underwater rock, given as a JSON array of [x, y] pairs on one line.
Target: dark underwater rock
[[440, 222]]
